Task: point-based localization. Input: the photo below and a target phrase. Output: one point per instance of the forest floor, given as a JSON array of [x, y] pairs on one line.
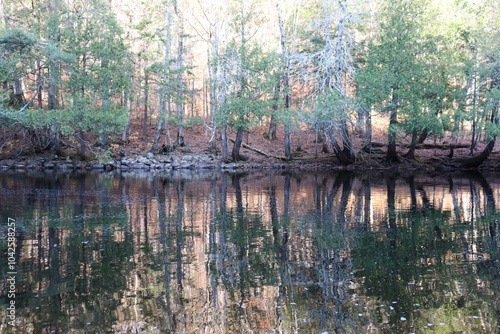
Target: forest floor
[[259, 152]]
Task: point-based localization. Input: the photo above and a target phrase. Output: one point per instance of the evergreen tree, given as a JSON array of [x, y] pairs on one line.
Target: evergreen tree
[[401, 76]]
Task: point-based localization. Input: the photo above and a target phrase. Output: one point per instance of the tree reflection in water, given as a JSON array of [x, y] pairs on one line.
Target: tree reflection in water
[[262, 253]]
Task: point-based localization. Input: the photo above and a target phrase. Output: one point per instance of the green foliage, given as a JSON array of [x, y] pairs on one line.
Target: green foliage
[[406, 70], [16, 41], [86, 58], [250, 80]]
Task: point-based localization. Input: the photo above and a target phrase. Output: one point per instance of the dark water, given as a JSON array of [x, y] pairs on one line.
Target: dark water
[[254, 253]]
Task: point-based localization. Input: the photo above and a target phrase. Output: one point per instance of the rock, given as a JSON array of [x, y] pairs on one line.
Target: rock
[[65, 166], [163, 159], [187, 166], [231, 165], [33, 164], [205, 165], [19, 166], [49, 165], [150, 156], [145, 161], [7, 162], [139, 165]]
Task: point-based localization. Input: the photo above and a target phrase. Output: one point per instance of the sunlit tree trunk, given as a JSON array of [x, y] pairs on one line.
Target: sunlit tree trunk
[[165, 77], [127, 102], [53, 68], [179, 105], [146, 105], [213, 64], [367, 138], [286, 82], [2, 14]]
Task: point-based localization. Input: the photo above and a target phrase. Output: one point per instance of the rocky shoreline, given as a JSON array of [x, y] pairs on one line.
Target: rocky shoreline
[[151, 162], [139, 163]]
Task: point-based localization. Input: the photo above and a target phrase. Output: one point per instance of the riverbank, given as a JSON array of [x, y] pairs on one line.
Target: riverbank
[[256, 153], [151, 162]]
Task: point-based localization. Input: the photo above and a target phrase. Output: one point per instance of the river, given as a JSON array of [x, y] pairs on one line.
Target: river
[[262, 252]]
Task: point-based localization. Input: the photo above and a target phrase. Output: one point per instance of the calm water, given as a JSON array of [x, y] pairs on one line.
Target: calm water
[[254, 253]]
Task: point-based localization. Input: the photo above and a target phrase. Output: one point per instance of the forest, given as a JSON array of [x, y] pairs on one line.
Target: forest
[[360, 79]]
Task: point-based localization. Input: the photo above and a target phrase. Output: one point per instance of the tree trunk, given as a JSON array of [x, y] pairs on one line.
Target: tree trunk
[[286, 83], [213, 62], [212, 143], [163, 93], [288, 141], [81, 139], [473, 142], [481, 157], [2, 15], [367, 144], [411, 152], [323, 138], [103, 139], [271, 134], [342, 155], [347, 150], [180, 80], [224, 148], [39, 85], [423, 136], [146, 104], [126, 101], [52, 100], [237, 145], [392, 155]]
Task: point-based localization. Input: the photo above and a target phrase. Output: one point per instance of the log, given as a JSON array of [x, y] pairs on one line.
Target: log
[[426, 146], [260, 152]]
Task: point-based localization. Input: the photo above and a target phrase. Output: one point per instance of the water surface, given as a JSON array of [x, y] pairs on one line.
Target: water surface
[[252, 253]]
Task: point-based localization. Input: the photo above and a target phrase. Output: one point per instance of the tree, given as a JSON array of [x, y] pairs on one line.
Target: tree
[[481, 66], [248, 73], [249, 90], [100, 71], [330, 65], [390, 79], [165, 73]]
